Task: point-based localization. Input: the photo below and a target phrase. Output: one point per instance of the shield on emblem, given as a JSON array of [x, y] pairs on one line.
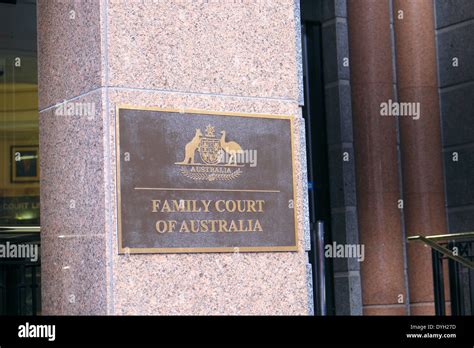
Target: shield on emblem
[[209, 150]]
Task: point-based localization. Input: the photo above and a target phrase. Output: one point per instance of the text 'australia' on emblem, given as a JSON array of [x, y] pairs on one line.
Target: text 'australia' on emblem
[[219, 157]]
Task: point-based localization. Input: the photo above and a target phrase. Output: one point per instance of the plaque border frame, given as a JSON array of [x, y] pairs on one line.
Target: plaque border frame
[[127, 250]]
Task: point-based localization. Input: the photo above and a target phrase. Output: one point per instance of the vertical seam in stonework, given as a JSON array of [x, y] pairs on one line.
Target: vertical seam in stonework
[[436, 22], [310, 286], [107, 167], [304, 171], [438, 76], [399, 160], [438, 82], [437, 32], [299, 51], [304, 208]]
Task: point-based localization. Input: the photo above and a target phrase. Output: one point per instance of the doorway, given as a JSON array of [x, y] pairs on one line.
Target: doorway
[[318, 166]]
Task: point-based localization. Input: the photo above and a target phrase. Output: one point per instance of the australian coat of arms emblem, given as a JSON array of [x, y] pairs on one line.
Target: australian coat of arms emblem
[[218, 157]]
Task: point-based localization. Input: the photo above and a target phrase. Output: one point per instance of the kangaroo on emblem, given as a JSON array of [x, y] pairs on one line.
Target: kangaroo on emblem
[[191, 147]]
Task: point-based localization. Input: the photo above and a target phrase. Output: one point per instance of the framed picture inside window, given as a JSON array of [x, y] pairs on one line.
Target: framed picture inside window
[[24, 163]]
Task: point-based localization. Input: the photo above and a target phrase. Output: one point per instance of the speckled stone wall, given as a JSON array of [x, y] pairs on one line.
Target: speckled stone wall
[[237, 56]]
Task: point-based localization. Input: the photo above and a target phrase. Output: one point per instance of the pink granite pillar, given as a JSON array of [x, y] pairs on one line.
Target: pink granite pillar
[[376, 157], [422, 164]]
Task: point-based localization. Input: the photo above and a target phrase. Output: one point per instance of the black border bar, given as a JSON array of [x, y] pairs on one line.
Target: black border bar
[[139, 330]]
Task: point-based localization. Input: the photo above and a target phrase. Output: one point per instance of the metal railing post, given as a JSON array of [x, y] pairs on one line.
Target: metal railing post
[[438, 282], [321, 269], [446, 247]]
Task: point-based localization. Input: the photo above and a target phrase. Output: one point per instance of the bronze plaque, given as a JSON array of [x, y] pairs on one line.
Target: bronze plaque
[[198, 181]]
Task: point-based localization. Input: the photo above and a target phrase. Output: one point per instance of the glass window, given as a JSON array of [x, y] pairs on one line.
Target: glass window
[[19, 160]]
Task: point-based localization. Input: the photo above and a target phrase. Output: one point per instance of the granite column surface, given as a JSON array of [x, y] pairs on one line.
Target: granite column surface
[[221, 56], [375, 145]]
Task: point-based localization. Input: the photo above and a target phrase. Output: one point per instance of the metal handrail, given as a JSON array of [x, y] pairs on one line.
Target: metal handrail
[[20, 229], [429, 240], [453, 236]]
